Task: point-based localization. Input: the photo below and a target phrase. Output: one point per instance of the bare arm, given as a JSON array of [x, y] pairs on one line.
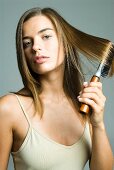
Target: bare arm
[[102, 157], [5, 133]]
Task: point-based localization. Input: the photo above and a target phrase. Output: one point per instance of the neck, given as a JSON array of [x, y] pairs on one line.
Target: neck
[[52, 83]]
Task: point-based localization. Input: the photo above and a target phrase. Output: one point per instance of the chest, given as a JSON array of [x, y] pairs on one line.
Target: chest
[[41, 153], [59, 123]]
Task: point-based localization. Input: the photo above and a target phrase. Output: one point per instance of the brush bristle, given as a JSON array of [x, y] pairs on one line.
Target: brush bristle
[[108, 62]]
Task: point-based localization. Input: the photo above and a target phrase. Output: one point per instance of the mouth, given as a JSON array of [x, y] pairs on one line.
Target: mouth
[[40, 59]]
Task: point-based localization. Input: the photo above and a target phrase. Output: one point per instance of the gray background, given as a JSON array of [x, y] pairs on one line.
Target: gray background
[[92, 16]]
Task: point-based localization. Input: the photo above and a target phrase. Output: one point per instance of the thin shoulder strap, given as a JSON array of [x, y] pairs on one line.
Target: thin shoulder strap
[[21, 105]]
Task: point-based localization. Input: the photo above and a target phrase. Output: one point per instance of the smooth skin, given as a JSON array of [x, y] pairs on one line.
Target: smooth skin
[[67, 125]]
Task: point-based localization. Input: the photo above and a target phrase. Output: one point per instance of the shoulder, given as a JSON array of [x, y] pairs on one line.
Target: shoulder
[[7, 102], [8, 106]]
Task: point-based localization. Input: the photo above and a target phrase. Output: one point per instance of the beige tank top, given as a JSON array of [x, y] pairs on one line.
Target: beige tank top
[[38, 152]]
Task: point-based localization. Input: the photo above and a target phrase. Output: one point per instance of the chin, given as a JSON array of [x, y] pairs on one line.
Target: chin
[[47, 71], [41, 70]]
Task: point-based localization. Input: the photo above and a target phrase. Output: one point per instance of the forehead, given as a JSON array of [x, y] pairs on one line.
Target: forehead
[[36, 24]]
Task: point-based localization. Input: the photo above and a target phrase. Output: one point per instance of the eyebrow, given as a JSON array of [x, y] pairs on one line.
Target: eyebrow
[[39, 32]]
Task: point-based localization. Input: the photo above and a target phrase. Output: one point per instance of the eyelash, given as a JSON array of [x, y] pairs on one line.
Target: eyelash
[[46, 36], [27, 44]]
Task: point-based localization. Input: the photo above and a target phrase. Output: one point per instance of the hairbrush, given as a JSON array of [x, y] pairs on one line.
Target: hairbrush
[[102, 71]]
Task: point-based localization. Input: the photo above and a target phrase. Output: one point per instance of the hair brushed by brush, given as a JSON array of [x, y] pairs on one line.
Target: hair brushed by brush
[[102, 71]]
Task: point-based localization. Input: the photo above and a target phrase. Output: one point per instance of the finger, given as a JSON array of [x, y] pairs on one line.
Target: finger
[[93, 84], [97, 108], [85, 84], [95, 90], [96, 84], [93, 96]]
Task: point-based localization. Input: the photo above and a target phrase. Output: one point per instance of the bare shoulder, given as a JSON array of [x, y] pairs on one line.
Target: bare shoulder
[[8, 105], [8, 119], [7, 102]]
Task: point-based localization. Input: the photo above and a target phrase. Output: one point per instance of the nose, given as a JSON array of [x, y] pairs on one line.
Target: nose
[[37, 45]]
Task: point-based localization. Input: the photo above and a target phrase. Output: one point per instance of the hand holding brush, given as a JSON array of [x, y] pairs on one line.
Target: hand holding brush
[[103, 70]]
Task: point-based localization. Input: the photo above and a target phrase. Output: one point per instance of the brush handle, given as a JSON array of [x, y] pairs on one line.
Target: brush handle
[[85, 109]]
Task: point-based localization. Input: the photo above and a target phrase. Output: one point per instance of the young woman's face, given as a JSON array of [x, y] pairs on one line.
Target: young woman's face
[[41, 47]]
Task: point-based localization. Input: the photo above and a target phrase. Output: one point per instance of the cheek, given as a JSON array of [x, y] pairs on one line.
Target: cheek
[[27, 52], [52, 47], [57, 56], [28, 56], [57, 52]]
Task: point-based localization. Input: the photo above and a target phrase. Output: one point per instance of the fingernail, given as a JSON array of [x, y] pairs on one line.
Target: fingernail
[[85, 83], [80, 92], [79, 99]]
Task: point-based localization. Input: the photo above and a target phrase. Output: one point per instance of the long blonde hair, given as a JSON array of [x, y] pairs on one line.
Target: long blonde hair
[[74, 41]]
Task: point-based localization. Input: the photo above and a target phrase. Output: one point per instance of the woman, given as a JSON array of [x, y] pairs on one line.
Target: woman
[[41, 124]]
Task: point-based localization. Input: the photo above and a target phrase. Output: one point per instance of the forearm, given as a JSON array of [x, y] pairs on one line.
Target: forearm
[[102, 157]]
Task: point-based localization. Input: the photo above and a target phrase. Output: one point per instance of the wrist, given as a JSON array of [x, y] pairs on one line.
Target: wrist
[[98, 126]]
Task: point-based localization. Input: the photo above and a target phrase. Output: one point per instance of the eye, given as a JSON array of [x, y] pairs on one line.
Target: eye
[[46, 37], [27, 44]]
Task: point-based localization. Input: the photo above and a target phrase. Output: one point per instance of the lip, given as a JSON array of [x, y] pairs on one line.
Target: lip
[[40, 59]]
